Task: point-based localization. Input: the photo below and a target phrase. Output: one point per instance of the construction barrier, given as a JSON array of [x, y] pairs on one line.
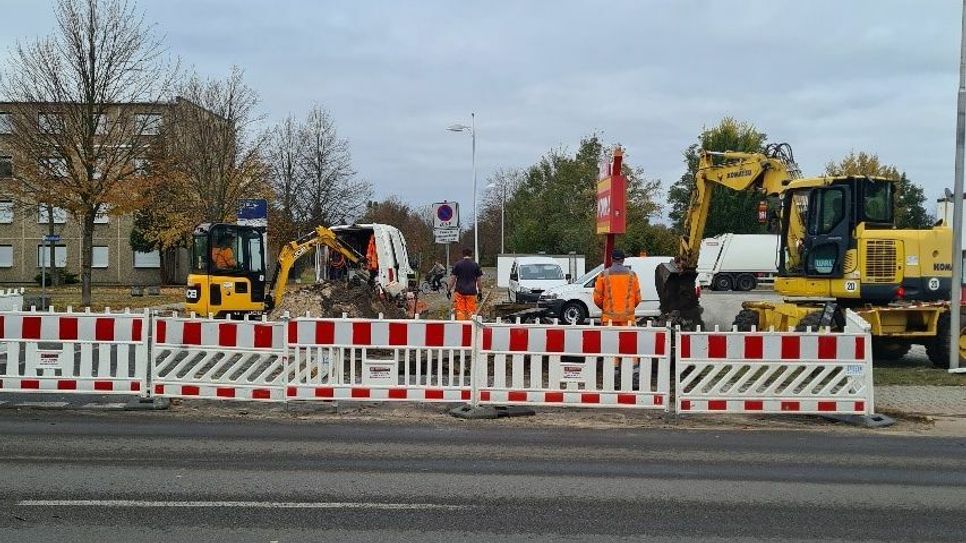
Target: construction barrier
[[379, 360], [218, 359], [103, 353], [774, 372], [583, 366]]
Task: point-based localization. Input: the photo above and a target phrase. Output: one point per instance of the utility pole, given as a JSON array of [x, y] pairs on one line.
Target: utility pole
[[956, 290]]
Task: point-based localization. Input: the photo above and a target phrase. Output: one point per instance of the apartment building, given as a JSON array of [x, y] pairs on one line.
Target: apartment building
[[23, 226]]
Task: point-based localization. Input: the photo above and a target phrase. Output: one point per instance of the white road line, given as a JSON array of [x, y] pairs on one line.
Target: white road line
[[240, 504]]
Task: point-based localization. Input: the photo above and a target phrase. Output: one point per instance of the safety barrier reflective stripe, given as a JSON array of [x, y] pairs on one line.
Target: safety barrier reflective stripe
[[774, 372], [103, 353]]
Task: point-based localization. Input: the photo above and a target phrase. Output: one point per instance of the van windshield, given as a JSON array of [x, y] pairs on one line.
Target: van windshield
[[541, 272]]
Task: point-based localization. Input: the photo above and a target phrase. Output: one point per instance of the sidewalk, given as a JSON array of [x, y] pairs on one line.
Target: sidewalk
[[922, 400]]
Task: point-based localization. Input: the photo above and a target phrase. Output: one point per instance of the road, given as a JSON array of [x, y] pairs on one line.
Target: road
[[153, 477]]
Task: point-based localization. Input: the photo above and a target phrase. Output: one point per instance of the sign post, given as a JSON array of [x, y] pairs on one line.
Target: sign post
[[446, 225], [44, 255], [611, 203]]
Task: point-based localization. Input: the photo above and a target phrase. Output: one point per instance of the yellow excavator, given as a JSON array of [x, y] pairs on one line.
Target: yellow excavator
[[839, 249], [228, 268]]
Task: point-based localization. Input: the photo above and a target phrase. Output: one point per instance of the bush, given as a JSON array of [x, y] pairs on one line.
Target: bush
[[66, 278]]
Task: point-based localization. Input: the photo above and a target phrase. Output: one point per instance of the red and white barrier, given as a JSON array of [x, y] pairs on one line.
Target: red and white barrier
[[575, 365], [104, 353], [774, 372], [219, 359], [379, 360]]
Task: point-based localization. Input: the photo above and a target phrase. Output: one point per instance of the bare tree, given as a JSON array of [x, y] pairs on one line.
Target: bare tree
[[285, 148], [332, 191], [76, 147]]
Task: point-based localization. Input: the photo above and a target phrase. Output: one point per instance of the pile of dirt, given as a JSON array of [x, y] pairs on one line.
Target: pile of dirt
[[335, 298]]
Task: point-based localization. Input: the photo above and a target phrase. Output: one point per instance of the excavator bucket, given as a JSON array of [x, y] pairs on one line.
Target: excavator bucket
[[678, 297]]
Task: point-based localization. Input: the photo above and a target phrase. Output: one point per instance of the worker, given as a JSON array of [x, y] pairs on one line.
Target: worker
[[337, 266], [465, 285], [617, 292], [222, 255]]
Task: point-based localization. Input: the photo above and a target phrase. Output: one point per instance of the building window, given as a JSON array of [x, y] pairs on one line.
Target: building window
[[150, 259], [6, 256], [100, 259], [101, 128], [60, 255], [6, 166], [6, 212], [6, 123], [55, 166], [142, 166], [101, 217], [149, 123], [50, 123], [60, 215]]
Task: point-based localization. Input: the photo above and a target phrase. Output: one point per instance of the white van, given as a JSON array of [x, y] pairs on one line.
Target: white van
[[395, 272], [531, 275], [574, 303]]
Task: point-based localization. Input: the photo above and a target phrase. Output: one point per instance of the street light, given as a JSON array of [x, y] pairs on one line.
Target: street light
[[476, 221], [493, 185]]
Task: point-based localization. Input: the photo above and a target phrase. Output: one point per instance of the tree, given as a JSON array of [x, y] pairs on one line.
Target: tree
[[730, 211], [77, 147], [910, 199], [285, 148]]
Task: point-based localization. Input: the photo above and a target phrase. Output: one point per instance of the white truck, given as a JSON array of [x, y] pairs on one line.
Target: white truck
[[737, 261]]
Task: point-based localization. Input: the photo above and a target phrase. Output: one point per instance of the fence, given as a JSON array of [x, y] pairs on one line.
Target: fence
[[71, 352], [437, 361]]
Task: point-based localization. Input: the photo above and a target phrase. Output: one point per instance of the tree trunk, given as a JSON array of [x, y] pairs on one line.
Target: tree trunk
[[87, 256], [53, 278]]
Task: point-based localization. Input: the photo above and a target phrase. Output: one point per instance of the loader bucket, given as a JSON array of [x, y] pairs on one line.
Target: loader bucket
[[678, 297]]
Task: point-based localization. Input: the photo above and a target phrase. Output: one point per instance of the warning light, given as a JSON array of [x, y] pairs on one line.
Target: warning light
[[900, 293]]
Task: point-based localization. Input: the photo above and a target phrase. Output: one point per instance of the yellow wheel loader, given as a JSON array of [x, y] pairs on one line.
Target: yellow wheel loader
[[839, 249], [228, 276]]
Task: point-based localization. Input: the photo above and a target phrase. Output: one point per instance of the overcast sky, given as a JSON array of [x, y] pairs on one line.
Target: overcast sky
[[825, 76]]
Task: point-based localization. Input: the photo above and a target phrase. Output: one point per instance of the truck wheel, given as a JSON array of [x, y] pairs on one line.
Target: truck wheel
[[746, 319], [938, 349], [721, 282], [746, 282], [888, 350], [573, 313]]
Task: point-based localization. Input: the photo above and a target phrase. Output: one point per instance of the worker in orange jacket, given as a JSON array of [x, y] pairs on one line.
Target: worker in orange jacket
[[222, 254], [617, 292]]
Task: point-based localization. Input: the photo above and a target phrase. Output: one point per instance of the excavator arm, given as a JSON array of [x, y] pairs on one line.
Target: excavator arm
[[294, 250], [768, 173]]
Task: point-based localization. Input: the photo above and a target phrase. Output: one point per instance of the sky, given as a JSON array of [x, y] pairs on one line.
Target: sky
[[828, 77]]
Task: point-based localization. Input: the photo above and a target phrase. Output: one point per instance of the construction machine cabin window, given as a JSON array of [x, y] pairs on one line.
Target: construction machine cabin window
[[877, 201], [199, 253]]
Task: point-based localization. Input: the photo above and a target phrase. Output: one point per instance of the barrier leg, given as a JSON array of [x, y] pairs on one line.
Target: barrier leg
[[478, 372], [146, 400]]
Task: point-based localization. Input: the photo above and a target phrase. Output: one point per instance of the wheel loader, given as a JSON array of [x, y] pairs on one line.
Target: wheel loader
[[839, 249]]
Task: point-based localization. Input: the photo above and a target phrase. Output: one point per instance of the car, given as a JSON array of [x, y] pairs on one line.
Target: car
[[574, 303], [530, 276]]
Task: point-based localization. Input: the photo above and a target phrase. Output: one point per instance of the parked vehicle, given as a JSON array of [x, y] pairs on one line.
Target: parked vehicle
[[737, 261], [574, 303], [395, 275], [530, 276]]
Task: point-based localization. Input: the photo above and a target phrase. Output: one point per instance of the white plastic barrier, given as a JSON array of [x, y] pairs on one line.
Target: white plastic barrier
[[103, 353], [219, 359], [774, 372], [584, 366], [379, 360]]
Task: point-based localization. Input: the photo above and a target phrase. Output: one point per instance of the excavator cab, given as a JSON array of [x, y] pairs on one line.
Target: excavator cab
[[227, 270]]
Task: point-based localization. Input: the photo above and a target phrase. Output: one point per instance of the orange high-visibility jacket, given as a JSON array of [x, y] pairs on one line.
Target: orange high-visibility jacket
[[223, 258], [372, 257], [617, 293]]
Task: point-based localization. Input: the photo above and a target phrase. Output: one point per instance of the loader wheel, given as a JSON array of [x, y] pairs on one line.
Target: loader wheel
[[888, 350], [938, 349], [746, 319]]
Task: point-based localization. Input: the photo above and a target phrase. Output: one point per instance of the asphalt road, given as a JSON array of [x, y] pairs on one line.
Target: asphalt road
[[69, 476]]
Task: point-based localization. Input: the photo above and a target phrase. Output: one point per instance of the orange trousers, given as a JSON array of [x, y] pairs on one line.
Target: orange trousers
[[464, 305]]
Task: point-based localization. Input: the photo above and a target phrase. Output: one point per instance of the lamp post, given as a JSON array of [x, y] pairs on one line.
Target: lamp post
[[493, 185], [956, 290], [476, 221]]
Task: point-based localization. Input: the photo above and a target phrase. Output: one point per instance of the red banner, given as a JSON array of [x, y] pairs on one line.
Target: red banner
[[612, 205]]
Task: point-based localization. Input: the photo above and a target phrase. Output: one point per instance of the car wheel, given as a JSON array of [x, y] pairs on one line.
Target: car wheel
[[721, 282], [573, 313], [746, 282]]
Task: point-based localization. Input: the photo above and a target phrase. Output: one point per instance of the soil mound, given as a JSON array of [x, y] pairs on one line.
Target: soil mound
[[335, 298]]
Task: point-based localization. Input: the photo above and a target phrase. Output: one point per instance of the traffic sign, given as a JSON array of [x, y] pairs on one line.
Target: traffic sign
[[447, 235], [446, 215], [52, 238]]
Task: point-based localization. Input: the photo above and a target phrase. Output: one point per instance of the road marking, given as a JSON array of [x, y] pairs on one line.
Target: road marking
[[240, 504], [43, 405]]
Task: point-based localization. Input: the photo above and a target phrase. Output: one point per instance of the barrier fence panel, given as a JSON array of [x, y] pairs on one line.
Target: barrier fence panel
[[589, 366], [379, 360], [218, 359], [774, 372], [102, 353]]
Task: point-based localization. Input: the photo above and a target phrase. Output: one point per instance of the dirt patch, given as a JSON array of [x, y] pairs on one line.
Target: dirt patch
[[335, 298]]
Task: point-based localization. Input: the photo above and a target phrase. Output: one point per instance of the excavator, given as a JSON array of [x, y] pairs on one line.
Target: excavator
[[839, 249], [228, 268]]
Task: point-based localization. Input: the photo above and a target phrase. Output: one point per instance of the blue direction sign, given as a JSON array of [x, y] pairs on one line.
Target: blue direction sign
[[52, 238], [253, 213]]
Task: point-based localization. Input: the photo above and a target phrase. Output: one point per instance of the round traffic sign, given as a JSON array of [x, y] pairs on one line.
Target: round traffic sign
[[444, 213]]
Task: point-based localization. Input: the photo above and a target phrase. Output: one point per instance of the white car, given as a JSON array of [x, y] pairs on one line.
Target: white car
[[574, 303], [530, 276]]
